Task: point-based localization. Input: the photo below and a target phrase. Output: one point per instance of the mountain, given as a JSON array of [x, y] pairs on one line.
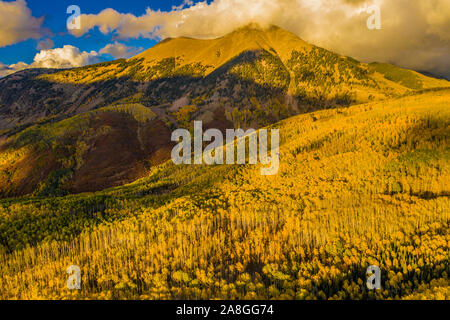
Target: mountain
[[69, 131], [271, 65], [358, 186]]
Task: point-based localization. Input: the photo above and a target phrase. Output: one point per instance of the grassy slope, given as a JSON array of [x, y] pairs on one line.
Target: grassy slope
[[408, 78], [357, 186]]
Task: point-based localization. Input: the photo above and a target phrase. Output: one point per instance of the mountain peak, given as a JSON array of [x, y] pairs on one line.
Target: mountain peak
[[254, 26], [215, 52], [251, 27], [273, 32]]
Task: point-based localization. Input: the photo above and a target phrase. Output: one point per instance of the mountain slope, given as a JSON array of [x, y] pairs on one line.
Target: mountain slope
[[408, 78], [359, 186], [92, 151]]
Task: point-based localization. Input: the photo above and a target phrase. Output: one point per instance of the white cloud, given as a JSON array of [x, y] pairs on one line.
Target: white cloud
[[70, 57], [65, 57], [119, 50], [414, 34], [186, 3], [17, 23], [59, 58]]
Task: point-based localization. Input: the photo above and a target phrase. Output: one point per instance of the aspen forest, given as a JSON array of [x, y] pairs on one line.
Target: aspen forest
[[357, 186]]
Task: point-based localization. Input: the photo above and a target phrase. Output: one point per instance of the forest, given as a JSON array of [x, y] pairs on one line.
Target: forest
[[357, 186]]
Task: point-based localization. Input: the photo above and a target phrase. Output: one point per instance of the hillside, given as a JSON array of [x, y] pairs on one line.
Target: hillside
[[408, 78], [357, 186], [61, 131], [88, 152]]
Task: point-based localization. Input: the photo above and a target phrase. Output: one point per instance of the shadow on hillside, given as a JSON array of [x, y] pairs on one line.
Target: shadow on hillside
[[421, 149]]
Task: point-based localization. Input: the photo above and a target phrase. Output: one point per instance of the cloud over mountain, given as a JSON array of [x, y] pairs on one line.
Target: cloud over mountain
[[65, 57], [414, 34], [60, 58], [17, 23], [119, 50], [70, 57]]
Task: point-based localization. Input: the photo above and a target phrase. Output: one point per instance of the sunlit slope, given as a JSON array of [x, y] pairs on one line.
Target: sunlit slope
[[408, 78], [359, 186]]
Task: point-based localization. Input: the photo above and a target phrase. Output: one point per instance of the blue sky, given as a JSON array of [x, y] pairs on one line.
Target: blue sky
[[55, 17]]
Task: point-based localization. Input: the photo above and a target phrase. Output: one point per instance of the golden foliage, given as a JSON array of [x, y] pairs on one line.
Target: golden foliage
[[366, 185]]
